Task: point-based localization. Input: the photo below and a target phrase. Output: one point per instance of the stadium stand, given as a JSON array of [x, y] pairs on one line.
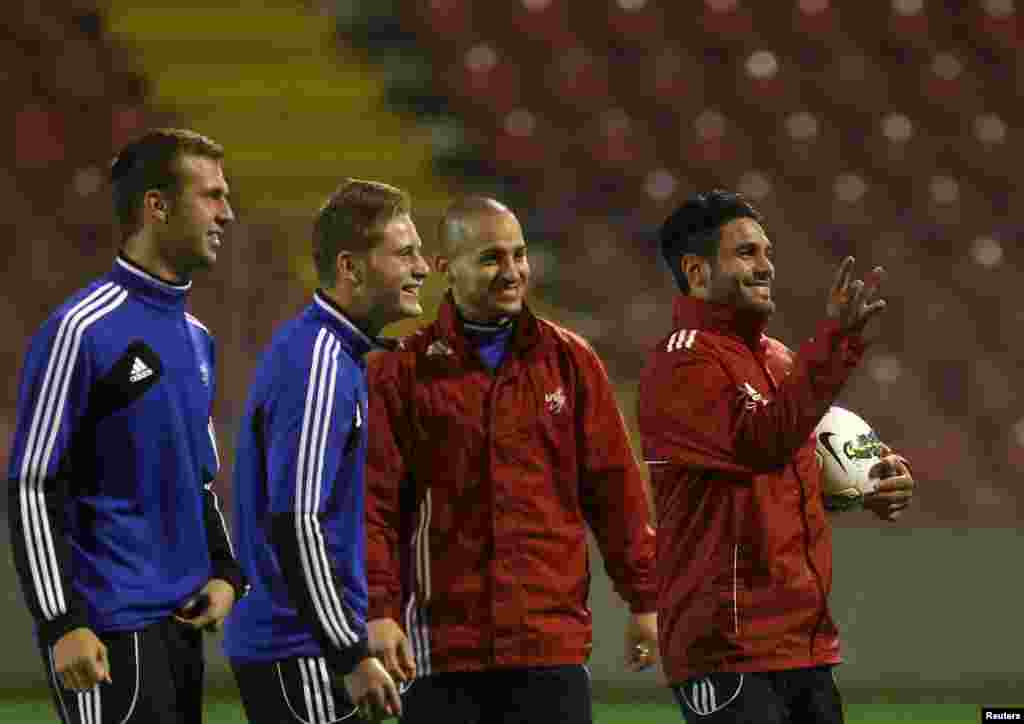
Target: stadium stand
[[885, 130], [888, 132]]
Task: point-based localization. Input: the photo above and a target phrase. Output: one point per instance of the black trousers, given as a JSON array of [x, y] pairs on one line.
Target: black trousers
[[536, 695], [796, 696], [293, 691], [157, 674]]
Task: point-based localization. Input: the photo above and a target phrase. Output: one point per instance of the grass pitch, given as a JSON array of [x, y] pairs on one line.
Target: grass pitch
[[35, 708]]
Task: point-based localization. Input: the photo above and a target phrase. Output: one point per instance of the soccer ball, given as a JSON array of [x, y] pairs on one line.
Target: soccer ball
[[846, 448]]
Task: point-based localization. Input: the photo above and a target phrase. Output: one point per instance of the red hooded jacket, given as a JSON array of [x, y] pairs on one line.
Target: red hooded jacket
[[480, 488], [744, 548]]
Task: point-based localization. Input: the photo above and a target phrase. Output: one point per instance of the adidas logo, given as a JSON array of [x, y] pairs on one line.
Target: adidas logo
[[140, 370]]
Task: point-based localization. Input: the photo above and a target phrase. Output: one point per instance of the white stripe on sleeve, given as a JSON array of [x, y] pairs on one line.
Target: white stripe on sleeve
[[313, 442], [43, 432]]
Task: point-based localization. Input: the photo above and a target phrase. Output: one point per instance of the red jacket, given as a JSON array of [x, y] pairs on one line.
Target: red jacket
[[744, 548], [480, 487]]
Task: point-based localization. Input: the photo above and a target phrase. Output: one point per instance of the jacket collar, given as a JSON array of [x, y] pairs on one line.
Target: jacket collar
[[450, 326], [692, 313], [324, 309], [149, 287]]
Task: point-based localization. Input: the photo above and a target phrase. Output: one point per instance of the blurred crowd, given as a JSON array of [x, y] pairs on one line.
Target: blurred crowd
[[887, 130]]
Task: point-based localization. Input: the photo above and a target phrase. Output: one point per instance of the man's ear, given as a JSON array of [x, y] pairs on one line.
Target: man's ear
[[697, 270], [441, 264], [155, 205], [348, 267]]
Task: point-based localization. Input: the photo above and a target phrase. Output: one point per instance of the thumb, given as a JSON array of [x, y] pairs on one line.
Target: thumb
[[103, 665], [408, 660]]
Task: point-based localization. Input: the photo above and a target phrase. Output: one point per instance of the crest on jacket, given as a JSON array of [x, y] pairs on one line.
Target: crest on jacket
[[555, 401]]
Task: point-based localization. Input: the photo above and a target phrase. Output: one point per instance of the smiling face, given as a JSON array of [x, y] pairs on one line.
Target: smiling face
[[393, 274], [743, 270], [488, 269], [195, 216]]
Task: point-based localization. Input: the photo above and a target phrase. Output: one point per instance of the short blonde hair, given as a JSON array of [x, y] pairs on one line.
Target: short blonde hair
[[351, 219]]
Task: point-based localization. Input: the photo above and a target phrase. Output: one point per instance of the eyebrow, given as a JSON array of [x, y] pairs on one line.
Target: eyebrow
[[500, 250], [753, 242]]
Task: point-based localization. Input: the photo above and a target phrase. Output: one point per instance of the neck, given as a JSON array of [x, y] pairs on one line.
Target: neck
[[478, 319], [495, 325], [140, 249], [343, 300]]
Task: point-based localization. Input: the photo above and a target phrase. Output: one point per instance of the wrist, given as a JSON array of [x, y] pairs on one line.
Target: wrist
[[50, 632]]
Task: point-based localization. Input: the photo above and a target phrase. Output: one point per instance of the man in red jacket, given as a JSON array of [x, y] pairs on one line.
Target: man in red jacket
[[727, 416], [495, 443]]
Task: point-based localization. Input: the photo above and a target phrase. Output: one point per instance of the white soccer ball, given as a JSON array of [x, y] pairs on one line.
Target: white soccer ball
[[847, 448]]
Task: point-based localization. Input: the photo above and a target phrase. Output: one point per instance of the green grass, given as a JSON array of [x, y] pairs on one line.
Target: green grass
[[29, 709]]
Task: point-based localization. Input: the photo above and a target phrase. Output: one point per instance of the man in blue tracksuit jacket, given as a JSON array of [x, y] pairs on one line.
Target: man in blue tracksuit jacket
[[120, 546], [298, 642]]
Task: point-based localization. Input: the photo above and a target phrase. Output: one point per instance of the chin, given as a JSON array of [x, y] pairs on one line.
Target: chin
[[410, 310], [504, 309]]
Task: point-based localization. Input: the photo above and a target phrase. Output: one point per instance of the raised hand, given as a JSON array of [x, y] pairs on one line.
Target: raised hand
[[852, 301]]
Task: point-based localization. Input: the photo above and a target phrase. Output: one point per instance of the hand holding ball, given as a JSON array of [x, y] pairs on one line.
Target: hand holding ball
[[847, 448]]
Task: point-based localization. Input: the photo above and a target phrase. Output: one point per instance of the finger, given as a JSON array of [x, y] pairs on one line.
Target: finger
[[882, 470], [69, 680], [855, 293], [204, 621], [408, 661], [887, 500], [638, 657], [895, 483], [389, 658], [103, 664], [393, 699], [377, 702], [638, 663], [87, 673], [888, 496], [873, 282], [842, 276], [869, 312]]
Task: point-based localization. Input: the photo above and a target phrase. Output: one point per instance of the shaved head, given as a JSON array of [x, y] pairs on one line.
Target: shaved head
[[483, 257], [460, 223]]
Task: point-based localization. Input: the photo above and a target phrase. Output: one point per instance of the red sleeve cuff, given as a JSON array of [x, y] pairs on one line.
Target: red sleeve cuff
[[384, 607]]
